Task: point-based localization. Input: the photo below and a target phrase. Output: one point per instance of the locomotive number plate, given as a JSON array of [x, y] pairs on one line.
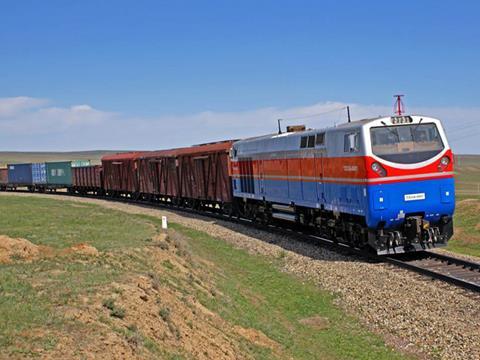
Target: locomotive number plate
[[412, 197]]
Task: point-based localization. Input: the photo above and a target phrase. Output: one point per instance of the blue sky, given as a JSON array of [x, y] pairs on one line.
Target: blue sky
[[157, 62]]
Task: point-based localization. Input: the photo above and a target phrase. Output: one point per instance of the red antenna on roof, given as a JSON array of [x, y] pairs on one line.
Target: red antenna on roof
[[399, 107]]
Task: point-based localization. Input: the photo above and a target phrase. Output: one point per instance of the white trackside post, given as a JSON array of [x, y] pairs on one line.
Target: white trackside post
[[164, 223]]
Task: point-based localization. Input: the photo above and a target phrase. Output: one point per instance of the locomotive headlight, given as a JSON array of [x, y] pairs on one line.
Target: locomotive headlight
[[379, 169], [445, 161]]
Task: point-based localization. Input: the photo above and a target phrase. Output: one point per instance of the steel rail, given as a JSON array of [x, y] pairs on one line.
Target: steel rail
[[453, 260], [454, 280]]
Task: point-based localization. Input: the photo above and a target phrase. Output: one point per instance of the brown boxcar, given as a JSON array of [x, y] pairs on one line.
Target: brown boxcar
[[120, 173], [3, 178], [157, 174], [87, 178], [197, 172]]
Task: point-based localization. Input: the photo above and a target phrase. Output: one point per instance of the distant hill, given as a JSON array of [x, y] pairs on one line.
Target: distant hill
[[8, 157]]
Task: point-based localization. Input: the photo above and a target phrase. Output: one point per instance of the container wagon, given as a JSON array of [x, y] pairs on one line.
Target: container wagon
[[20, 175], [39, 176], [81, 163], [59, 174]]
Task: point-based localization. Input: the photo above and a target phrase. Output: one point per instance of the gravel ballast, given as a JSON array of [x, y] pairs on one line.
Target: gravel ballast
[[414, 314]]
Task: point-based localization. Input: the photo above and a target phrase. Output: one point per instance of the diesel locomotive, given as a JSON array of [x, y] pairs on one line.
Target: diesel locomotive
[[386, 183]]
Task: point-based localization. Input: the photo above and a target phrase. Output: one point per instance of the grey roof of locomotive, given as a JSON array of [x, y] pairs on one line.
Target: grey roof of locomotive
[[288, 141]]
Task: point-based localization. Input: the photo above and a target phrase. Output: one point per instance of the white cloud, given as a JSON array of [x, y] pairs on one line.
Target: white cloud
[[32, 124], [14, 105], [24, 116]]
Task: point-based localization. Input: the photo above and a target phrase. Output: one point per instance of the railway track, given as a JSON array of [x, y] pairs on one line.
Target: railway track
[[462, 273], [452, 270], [459, 272]]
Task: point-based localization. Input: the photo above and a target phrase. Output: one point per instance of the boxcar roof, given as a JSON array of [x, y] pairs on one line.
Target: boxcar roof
[[124, 156], [222, 146]]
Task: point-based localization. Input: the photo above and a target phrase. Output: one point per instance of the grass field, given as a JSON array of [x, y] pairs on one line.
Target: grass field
[[187, 295], [466, 239], [467, 214], [467, 178]]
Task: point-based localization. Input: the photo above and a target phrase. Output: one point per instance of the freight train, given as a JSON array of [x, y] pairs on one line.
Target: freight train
[[384, 184]]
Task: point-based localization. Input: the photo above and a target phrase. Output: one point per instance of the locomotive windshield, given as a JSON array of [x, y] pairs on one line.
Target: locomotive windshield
[[406, 144]]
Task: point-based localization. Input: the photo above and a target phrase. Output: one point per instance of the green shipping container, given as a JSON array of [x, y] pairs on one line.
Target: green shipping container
[[80, 163], [59, 173]]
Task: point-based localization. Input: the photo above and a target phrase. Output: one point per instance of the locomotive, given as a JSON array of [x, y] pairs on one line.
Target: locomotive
[[384, 183]]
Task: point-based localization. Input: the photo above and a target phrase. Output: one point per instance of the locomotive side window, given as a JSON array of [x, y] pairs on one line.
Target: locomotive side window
[[320, 140], [406, 144], [351, 142], [311, 141], [303, 142]]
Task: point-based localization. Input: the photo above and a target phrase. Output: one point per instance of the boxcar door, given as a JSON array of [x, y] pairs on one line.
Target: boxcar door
[[201, 177]]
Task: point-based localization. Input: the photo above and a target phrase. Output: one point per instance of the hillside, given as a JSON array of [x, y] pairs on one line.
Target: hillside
[[101, 283], [8, 157]]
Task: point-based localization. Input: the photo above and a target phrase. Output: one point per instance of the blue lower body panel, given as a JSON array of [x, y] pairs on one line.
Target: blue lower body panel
[[391, 203], [345, 198], [388, 204]]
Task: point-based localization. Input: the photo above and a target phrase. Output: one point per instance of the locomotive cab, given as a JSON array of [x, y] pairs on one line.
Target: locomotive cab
[[410, 184]]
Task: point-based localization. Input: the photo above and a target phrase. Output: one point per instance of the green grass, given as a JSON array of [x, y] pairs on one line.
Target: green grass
[[257, 295], [62, 224], [250, 291], [24, 307], [467, 219], [466, 239], [31, 292]]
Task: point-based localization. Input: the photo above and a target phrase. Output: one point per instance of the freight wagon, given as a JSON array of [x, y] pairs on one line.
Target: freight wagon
[[193, 176], [59, 174], [3, 178], [87, 179], [120, 174], [39, 175], [80, 163], [20, 175]]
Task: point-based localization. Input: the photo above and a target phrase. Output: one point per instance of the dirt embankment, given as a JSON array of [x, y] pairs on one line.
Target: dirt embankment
[[143, 315], [17, 249]]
